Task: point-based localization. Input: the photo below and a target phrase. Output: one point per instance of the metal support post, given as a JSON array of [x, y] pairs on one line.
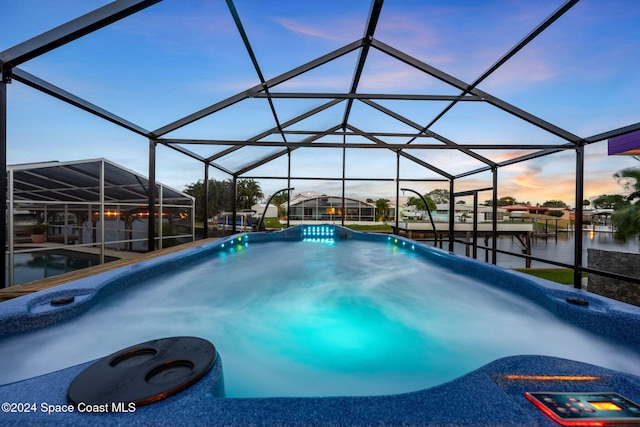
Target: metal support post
[[577, 263], [397, 228], [101, 213], [151, 226], [234, 204], [494, 220], [160, 212], [11, 247], [475, 225], [3, 160], [452, 215], [206, 201], [344, 174], [288, 184]]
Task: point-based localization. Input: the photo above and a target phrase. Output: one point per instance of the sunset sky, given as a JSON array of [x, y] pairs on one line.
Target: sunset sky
[[179, 56]]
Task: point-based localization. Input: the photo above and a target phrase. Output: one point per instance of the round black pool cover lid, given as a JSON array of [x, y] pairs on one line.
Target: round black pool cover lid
[[144, 373]]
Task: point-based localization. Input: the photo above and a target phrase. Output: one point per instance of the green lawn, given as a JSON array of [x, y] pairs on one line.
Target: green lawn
[[274, 223], [375, 227], [559, 275]]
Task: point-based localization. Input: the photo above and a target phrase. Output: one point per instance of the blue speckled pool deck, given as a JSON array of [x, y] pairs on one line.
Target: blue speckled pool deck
[[486, 396]]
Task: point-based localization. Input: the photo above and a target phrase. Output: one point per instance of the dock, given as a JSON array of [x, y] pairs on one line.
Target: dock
[[463, 233], [423, 229]]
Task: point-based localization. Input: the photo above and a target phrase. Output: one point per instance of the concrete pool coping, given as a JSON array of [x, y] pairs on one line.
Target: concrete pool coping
[[486, 396], [126, 258]]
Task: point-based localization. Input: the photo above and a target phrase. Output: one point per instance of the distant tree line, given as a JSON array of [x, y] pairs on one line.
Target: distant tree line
[[626, 216], [610, 201], [506, 201], [221, 196]]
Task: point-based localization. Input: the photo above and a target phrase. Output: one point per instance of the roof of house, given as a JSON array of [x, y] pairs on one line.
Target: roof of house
[[84, 180], [512, 208], [466, 207]]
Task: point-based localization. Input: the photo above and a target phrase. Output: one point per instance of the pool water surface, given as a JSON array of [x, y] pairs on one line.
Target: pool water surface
[[319, 317], [38, 265]]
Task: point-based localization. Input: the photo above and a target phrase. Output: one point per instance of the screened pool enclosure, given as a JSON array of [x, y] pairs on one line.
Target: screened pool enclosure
[[330, 209], [91, 205], [389, 95]]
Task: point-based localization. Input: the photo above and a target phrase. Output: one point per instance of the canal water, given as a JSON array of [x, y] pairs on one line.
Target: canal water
[[559, 250]]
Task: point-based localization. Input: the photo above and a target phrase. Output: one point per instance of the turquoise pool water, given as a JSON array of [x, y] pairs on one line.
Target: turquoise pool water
[[319, 317]]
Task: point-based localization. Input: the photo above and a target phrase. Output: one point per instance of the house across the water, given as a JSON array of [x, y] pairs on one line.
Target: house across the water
[[332, 209]]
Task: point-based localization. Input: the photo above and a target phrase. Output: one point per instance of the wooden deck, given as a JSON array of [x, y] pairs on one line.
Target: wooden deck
[[129, 258]]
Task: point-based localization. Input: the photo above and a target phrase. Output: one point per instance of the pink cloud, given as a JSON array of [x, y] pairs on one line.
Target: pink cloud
[[324, 32], [396, 76], [532, 67], [330, 82]]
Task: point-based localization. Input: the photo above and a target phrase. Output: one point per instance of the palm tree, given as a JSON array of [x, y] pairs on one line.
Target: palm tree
[[382, 209], [248, 193], [220, 197], [630, 179], [627, 220]]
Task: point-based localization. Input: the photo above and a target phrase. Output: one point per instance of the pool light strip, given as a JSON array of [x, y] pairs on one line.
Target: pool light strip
[[236, 243], [319, 233], [398, 242], [326, 231], [552, 377]]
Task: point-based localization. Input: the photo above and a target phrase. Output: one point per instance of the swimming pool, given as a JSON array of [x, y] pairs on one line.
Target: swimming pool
[[329, 318], [36, 265]]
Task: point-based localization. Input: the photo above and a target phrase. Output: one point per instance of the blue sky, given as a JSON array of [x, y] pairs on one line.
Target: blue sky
[[177, 57]]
